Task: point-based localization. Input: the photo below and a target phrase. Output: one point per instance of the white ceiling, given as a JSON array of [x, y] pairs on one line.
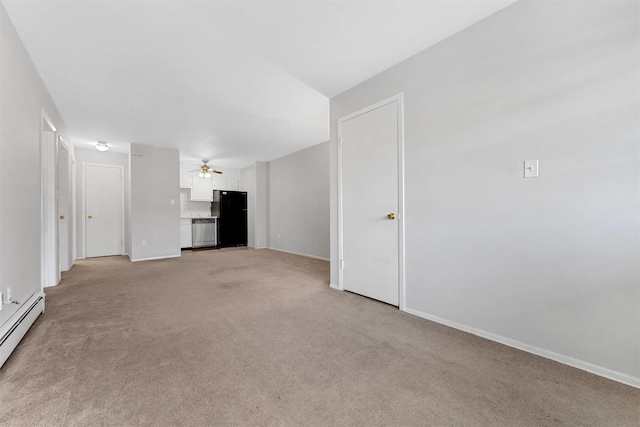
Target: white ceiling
[[233, 81]]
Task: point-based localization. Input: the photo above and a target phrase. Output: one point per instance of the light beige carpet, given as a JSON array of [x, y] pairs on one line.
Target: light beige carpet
[[256, 337]]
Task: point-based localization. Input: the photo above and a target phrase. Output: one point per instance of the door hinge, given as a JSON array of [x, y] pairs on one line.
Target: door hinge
[[341, 264], [340, 141]]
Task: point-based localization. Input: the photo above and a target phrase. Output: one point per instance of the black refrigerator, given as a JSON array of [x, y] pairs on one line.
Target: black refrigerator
[[231, 209]]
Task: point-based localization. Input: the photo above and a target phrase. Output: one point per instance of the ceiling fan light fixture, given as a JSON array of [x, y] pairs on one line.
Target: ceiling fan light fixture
[[205, 170], [102, 146]]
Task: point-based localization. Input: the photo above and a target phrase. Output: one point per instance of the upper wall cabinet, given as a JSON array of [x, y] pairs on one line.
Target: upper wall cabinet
[[219, 183], [201, 189], [233, 184]]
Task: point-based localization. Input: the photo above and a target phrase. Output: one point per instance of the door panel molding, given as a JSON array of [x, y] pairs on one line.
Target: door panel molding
[[84, 204], [399, 99]]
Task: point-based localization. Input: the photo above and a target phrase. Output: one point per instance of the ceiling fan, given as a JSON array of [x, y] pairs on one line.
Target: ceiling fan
[[205, 170]]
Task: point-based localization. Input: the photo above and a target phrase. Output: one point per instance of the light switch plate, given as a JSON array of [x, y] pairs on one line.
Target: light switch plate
[[531, 168]]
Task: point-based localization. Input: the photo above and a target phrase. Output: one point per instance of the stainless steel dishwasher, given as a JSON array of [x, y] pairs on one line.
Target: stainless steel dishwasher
[[204, 232]]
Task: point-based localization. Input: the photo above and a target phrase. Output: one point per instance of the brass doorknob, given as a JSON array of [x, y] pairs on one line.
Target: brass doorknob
[[391, 215], [90, 216], [61, 216]]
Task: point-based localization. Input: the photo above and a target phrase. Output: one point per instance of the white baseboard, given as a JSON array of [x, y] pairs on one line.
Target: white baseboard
[[298, 253], [576, 363], [155, 258], [334, 286], [84, 257], [17, 326]]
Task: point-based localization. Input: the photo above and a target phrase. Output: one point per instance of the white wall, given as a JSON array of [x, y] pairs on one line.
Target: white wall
[[189, 209], [155, 180], [255, 183], [248, 175], [299, 202], [23, 96], [547, 264], [262, 206], [84, 155]]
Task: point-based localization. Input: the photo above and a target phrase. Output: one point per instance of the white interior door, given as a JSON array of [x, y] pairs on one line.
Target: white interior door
[[50, 271], [370, 256], [64, 208], [103, 213]]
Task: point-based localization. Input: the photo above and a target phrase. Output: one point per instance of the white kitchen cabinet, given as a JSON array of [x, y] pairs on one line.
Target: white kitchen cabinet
[[233, 184], [201, 189], [219, 183], [185, 233]]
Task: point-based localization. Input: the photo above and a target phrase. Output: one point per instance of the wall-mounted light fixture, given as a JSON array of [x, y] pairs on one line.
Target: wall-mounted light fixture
[[102, 146]]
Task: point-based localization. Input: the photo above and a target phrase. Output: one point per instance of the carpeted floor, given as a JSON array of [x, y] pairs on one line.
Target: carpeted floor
[[256, 337]]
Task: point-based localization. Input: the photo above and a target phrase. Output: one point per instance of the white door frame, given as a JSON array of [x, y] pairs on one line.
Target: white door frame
[[47, 166], [401, 226], [84, 204]]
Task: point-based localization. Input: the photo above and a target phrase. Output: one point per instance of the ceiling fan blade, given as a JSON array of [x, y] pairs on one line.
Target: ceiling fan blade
[[216, 171]]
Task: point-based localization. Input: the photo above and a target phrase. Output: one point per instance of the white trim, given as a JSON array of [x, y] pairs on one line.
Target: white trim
[[401, 221], [84, 205], [340, 211], [48, 119], [156, 258], [334, 286], [399, 99], [566, 360], [20, 324], [299, 253]]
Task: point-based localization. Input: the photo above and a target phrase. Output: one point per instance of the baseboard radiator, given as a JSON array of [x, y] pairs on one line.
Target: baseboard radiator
[[12, 331]]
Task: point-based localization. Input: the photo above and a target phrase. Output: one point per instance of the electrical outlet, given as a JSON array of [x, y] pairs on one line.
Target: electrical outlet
[[278, 236], [144, 243], [173, 202]]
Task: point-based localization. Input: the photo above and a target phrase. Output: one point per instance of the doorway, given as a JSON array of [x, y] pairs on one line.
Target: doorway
[[371, 202], [103, 209]]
